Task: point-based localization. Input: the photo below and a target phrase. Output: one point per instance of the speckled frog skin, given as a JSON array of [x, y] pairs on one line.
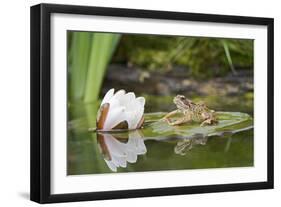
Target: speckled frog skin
[[191, 111]]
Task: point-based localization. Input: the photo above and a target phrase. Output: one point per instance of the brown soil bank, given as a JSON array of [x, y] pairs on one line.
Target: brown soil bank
[[176, 81]]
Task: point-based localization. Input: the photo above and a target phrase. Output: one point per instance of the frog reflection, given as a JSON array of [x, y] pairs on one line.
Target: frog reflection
[[187, 144], [116, 153]]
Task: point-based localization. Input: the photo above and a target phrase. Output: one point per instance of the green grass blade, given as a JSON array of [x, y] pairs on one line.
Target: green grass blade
[[102, 48], [79, 55], [228, 56]]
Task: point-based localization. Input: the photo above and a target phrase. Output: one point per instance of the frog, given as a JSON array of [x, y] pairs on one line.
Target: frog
[[190, 111]]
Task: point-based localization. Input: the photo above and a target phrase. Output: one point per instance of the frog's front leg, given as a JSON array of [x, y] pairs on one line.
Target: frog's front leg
[[181, 120], [169, 115]]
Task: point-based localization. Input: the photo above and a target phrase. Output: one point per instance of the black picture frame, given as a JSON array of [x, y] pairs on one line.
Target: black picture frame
[[41, 102]]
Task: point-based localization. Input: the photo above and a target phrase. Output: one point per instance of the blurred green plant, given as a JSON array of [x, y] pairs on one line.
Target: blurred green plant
[[204, 57], [88, 57]]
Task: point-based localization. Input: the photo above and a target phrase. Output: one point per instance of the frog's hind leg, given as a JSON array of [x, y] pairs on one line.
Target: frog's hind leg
[[208, 122]]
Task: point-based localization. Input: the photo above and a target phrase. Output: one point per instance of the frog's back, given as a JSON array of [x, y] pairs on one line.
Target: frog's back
[[196, 112]]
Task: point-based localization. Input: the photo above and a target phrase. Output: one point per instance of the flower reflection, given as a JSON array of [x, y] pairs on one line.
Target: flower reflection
[[187, 144], [116, 153]]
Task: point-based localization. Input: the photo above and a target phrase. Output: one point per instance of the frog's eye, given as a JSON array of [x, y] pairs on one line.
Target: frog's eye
[[182, 98]]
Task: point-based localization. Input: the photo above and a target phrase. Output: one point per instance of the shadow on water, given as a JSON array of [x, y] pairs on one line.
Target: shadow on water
[[157, 146]]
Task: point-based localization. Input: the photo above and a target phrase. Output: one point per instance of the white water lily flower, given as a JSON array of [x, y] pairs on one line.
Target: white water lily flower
[[117, 154], [119, 109]]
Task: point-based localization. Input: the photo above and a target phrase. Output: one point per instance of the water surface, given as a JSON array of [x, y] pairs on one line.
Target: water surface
[[91, 153]]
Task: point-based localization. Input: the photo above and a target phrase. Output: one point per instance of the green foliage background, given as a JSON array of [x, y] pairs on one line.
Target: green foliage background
[[90, 53], [205, 57]]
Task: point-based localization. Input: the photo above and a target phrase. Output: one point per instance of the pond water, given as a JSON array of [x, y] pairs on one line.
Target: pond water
[[159, 146]]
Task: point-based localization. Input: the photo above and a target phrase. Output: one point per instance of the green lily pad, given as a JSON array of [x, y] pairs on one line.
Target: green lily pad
[[157, 129], [228, 123]]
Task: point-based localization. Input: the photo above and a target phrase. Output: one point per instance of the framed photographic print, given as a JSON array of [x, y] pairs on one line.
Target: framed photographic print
[[133, 103]]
